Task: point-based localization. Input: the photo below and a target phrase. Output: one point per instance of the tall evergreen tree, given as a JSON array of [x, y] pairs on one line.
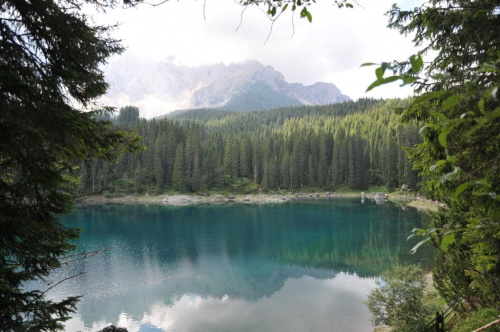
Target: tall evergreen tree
[[231, 158], [179, 174], [128, 115], [245, 157], [50, 53], [158, 170]]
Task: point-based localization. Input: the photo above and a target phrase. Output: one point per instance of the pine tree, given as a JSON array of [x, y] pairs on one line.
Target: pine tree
[[310, 172], [245, 157], [231, 158], [196, 177], [179, 174], [158, 170], [324, 157], [285, 171]]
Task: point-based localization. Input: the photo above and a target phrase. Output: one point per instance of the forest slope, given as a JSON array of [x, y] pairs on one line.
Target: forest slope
[[349, 145]]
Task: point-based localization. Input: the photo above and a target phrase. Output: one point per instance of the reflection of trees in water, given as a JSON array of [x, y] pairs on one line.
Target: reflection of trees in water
[[248, 252], [312, 234], [367, 251]]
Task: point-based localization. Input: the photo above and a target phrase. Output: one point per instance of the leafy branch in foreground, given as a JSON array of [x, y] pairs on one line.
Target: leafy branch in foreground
[[458, 100]]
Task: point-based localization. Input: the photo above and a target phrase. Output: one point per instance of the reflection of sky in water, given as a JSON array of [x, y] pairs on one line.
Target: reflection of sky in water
[[246, 268], [304, 304]]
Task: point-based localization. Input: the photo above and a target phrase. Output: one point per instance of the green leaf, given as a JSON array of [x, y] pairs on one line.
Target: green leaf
[[366, 64], [436, 165], [480, 105], [309, 17], [472, 131], [448, 239], [439, 115], [451, 101], [422, 232], [450, 175], [382, 82], [488, 67], [422, 129], [408, 80], [464, 115], [461, 188], [494, 91], [482, 182], [415, 247], [416, 62], [284, 7], [379, 72], [305, 13], [471, 87], [442, 136]]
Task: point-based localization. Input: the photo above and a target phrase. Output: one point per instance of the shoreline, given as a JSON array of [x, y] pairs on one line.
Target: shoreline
[[216, 199], [255, 199]]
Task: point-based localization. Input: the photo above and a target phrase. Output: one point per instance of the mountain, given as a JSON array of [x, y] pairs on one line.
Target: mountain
[[159, 87]]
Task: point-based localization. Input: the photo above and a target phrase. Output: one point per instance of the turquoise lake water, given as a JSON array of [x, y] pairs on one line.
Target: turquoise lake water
[[300, 266]]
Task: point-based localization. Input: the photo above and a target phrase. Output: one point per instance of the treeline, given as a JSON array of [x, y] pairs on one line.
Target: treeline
[[350, 145]]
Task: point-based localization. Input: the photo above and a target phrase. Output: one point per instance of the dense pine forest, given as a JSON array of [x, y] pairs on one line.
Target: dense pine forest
[[352, 145]]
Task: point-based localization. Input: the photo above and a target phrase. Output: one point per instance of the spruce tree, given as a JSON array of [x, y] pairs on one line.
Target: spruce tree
[[50, 53], [179, 174]]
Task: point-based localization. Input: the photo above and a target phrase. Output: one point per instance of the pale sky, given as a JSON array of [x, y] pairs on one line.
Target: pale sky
[[330, 49]]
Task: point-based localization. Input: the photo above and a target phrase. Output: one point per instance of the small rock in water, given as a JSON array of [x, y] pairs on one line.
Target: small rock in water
[[230, 197], [380, 198]]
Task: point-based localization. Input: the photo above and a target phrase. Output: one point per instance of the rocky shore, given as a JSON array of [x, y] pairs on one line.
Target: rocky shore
[[199, 199], [261, 198]]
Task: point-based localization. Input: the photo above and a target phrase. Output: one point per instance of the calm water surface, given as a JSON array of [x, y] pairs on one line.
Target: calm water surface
[[304, 266]]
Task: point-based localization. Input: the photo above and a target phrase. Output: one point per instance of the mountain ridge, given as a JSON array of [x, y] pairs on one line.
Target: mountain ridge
[[159, 87]]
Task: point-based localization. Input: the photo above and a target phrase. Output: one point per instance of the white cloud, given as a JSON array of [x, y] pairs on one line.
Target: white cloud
[[331, 49]]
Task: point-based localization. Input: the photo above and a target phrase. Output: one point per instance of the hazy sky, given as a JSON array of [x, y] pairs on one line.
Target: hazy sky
[[330, 49]]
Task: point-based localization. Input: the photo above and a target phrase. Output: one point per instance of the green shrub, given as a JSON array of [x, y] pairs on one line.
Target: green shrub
[[398, 299], [478, 319]]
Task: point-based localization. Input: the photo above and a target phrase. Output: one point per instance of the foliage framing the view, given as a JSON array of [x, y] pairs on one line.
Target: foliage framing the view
[[458, 99], [49, 62], [398, 301], [276, 8]]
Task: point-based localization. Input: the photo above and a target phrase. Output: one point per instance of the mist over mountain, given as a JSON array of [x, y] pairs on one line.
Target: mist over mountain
[[159, 87]]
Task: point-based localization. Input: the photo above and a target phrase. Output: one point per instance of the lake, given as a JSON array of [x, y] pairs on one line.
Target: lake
[[298, 266]]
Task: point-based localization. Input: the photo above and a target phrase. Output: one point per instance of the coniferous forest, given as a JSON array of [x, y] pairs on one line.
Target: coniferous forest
[[352, 145]]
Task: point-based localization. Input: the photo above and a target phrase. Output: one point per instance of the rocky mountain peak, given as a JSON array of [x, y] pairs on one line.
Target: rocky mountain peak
[[159, 87]]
